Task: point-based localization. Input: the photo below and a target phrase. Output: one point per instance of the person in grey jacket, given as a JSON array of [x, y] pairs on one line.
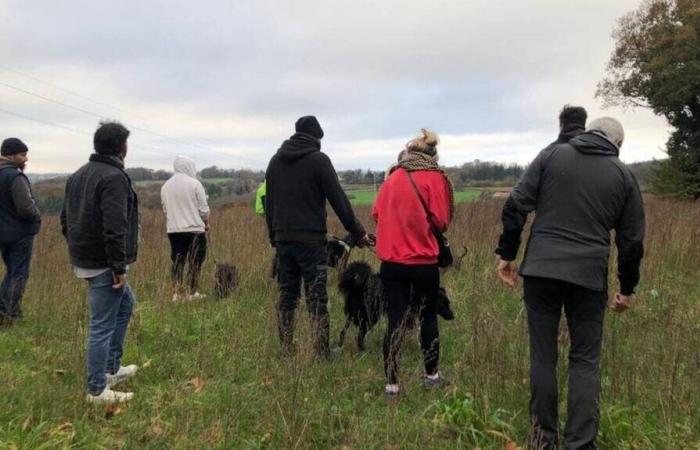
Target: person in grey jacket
[[580, 191], [20, 221], [100, 221]]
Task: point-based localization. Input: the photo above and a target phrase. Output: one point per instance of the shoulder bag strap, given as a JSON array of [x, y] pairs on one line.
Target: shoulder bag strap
[[428, 214]]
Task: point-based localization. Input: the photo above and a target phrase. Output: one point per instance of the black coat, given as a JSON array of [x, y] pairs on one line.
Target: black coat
[[299, 180], [580, 191], [100, 218]]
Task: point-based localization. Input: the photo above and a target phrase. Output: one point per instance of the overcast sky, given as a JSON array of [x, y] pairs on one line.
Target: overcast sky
[[224, 81]]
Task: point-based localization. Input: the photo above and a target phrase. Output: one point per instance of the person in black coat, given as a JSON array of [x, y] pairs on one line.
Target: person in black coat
[[300, 179], [581, 191], [100, 221], [20, 221], [572, 122]]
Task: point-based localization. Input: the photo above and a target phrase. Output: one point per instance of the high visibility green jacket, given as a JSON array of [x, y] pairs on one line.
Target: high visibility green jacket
[[260, 200]]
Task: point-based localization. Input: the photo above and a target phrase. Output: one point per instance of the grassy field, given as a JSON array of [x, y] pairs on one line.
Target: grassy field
[[367, 196], [211, 378]]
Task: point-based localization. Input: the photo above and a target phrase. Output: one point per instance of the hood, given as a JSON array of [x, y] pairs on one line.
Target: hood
[[4, 162], [298, 146], [594, 143], [185, 166]]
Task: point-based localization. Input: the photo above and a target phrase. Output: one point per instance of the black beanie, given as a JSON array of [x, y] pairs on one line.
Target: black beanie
[[13, 146], [309, 125]]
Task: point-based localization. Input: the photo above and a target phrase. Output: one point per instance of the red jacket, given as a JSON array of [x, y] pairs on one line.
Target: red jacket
[[403, 233]]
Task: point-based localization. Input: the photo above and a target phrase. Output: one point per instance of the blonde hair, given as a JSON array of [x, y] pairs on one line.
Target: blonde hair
[[425, 143]]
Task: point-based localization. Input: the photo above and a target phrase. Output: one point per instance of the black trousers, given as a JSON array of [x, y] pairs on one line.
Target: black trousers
[[307, 261], [16, 256], [187, 249], [404, 285], [584, 309]]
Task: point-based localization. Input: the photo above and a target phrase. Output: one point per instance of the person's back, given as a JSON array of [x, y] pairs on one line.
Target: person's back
[[91, 193], [299, 180], [403, 233], [184, 199], [580, 192], [583, 190]]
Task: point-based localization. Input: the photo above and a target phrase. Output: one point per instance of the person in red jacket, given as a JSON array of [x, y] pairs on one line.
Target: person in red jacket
[[408, 251]]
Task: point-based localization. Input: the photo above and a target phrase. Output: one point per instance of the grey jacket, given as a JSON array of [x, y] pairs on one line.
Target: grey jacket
[[580, 191]]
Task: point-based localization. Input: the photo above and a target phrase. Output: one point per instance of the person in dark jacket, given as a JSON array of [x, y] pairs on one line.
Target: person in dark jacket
[[100, 221], [572, 122], [580, 191], [299, 180], [20, 221]]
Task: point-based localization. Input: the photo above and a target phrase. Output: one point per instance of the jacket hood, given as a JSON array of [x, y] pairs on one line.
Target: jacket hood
[[185, 166], [595, 143], [4, 162], [298, 146]]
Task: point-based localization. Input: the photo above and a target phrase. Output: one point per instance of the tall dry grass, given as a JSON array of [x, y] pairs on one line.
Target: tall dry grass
[[211, 376]]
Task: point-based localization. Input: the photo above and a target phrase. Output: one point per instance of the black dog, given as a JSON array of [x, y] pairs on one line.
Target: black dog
[[362, 291], [225, 280]]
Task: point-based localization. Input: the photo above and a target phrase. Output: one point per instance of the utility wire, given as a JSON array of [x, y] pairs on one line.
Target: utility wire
[[94, 114]]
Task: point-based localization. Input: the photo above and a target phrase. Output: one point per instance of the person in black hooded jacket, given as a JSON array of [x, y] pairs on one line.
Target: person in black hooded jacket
[[300, 179], [580, 191]]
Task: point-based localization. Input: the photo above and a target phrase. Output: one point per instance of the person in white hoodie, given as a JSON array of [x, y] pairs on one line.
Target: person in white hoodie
[[187, 213]]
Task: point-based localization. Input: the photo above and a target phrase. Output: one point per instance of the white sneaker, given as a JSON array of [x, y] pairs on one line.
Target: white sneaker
[[109, 396], [196, 296], [123, 374]]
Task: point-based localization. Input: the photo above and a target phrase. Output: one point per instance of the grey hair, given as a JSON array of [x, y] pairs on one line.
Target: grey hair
[[612, 128]]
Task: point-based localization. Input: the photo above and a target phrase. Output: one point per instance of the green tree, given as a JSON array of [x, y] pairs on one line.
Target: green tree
[[656, 64]]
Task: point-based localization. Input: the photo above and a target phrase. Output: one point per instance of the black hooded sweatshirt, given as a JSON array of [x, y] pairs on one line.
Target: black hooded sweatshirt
[[580, 192], [299, 180]]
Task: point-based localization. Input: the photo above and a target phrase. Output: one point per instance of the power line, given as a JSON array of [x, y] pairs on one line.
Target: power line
[[94, 114], [63, 127]]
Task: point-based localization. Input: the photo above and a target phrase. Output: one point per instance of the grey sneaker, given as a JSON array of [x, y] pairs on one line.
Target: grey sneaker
[[435, 383]]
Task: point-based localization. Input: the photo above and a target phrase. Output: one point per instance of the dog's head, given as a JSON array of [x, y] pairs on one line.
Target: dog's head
[[338, 251]]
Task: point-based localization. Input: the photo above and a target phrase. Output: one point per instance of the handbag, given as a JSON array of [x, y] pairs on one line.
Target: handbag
[[445, 258]]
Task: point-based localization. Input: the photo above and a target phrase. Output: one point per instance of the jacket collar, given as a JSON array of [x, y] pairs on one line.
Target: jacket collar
[[112, 160]]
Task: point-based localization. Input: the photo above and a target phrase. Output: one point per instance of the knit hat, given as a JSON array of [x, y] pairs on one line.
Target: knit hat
[[13, 146], [309, 125]]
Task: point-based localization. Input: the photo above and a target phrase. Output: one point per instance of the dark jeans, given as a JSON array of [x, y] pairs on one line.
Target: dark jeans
[[584, 311], [403, 285], [307, 261], [16, 256], [187, 249], [110, 312]]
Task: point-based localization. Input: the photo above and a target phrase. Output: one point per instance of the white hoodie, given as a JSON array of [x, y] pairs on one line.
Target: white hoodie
[[184, 199]]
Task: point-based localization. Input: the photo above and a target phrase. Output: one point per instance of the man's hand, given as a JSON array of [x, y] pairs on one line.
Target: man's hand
[[366, 241], [507, 272], [119, 280], [621, 303]]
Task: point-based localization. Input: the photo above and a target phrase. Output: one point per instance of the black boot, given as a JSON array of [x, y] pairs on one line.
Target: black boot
[[322, 336], [285, 324]]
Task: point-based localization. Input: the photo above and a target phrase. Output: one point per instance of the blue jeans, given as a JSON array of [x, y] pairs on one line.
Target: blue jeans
[[110, 311], [16, 256]]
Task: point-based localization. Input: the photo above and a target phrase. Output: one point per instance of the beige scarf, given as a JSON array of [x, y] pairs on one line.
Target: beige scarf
[[412, 161]]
